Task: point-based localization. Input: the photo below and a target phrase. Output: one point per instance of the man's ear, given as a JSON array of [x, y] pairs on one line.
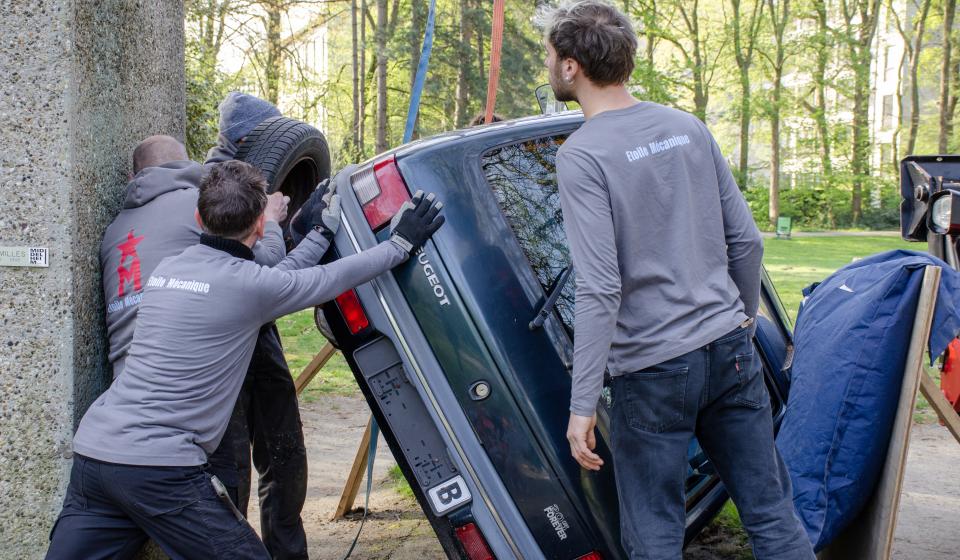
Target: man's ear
[[569, 68], [196, 216], [261, 225]]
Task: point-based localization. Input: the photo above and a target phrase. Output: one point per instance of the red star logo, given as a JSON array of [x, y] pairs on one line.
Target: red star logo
[[131, 273]]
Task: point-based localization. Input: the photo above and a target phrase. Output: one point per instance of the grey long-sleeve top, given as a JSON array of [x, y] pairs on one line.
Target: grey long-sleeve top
[[665, 248], [196, 330]]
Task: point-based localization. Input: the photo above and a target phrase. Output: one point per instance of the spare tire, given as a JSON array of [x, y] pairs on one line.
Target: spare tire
[[292, 155]]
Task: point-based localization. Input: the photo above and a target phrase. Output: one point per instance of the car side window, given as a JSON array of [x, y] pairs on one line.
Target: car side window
[[523, 177]]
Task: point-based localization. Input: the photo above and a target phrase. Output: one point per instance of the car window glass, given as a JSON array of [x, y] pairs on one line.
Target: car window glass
[[523, 177]]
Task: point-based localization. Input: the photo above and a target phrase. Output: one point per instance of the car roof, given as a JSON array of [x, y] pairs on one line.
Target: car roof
[[513, 127]]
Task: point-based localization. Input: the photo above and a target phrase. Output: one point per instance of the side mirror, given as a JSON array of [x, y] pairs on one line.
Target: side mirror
[[548, 102]]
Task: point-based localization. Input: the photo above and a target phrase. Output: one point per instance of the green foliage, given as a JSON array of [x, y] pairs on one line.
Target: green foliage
[[205, 88], [828, 207]]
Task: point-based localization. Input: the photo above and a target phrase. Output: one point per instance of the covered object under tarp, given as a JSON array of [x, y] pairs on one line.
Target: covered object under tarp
[[851, 341]]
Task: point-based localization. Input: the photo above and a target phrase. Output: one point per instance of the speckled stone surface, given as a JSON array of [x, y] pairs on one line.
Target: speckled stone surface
[[82, 83]]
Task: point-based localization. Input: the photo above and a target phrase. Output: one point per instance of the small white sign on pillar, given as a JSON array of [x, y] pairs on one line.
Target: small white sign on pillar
[[24, 256]]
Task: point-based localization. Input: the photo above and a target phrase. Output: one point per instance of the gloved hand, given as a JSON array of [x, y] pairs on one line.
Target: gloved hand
[[416, 221], [311, 214]]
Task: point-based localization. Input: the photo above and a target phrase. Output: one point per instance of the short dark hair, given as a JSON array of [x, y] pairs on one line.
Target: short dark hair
[[232, 198], [481, 118], [595, 34]]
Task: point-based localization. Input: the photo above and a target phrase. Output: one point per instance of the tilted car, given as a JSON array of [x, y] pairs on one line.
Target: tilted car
[[464, 352]]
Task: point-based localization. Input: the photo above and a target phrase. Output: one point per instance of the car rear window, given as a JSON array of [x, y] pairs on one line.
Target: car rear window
[[523, 177]]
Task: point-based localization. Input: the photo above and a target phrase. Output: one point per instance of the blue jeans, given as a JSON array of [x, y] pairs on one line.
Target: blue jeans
[[716, 393], [110, 510]]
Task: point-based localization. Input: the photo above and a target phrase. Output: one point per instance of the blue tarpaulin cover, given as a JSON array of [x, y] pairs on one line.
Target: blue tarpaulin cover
[[851, 341]]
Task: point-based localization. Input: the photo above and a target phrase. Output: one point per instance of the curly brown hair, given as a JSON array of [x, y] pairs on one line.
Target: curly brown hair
[[595, 34]]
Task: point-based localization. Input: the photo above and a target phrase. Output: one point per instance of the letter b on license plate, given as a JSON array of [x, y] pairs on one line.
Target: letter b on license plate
[[448, 495]]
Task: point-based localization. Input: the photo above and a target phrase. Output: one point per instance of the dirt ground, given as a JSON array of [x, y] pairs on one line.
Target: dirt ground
[[397, 530]]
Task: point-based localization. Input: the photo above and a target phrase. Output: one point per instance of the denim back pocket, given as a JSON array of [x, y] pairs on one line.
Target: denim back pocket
[[751, 391], [654, 401]]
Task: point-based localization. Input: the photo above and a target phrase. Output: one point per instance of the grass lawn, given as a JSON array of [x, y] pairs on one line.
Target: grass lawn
[[301, 342], [794, 264]]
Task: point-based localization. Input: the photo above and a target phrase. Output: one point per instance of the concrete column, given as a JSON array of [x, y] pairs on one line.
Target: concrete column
[[83, 82]]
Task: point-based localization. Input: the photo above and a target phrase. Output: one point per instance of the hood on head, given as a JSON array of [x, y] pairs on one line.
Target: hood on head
[[240, 113], [152, 182]]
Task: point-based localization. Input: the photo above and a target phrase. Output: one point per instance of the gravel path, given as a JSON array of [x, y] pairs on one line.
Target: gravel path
[[397, 530]]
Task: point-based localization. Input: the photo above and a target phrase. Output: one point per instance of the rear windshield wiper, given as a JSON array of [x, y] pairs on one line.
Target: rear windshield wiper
[[552, 297]]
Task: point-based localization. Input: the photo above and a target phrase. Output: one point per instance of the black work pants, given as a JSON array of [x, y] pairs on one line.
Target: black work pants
[[268, 417], [110, 510]]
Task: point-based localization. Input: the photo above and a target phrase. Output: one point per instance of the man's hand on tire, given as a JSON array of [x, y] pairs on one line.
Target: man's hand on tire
[[416, 222], [311, 214], [276, 210]]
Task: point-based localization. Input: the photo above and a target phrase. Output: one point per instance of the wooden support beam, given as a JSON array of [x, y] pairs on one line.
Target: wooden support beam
[[309, 372], [940, 404], [352, 485], [870, 535]]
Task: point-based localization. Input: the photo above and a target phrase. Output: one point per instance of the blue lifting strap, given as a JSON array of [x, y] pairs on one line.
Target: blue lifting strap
[[421, 76], [371, 455]]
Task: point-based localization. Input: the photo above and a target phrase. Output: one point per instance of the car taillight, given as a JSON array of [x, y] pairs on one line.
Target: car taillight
[[473, 543], [591, 556], [352, 311], [381, 191]]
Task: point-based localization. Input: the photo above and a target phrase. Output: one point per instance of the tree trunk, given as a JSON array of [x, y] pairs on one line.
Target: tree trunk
[[914, 81], [820, 86], [946, 68], [860, 59], [743, 53], [779, 16], [381, 37], [361, 127], [273, 66], [461, 110], [355, 80]]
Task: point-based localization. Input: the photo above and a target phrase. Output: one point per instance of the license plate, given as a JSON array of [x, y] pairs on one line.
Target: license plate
[[448, 495]]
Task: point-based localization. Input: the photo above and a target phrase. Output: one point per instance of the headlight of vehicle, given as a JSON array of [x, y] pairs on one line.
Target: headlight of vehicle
[[945, 214]]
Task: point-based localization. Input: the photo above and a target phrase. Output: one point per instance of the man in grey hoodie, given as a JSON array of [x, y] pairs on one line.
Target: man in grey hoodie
[[141, 446]]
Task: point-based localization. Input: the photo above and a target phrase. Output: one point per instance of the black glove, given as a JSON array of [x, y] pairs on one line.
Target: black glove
[[310, 214], [416, 221]]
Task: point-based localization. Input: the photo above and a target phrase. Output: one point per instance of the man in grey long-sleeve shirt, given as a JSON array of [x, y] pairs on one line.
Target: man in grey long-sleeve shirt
[[668, 284], [141, 447]]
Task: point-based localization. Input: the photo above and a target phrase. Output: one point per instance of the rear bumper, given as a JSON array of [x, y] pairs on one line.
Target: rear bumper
[[491, 508]]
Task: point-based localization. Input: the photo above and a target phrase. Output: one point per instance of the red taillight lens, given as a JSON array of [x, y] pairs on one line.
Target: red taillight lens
[[352, 311], [591, 556], [381, 191], [471, 538]]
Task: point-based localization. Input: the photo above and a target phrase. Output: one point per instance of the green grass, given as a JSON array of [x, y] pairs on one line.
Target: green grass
[[301, 342], [399, 483], [794, 264]]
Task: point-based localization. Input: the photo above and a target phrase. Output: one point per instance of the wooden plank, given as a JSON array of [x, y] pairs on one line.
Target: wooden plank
[[314, 367], [352, 485], [940, 404], [870, 535]]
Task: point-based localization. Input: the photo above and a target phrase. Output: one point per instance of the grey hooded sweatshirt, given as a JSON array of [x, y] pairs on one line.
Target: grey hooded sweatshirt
[[156, 221], [198, 325]]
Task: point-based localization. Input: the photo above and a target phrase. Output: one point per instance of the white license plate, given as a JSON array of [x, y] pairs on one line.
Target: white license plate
[[448, 495]]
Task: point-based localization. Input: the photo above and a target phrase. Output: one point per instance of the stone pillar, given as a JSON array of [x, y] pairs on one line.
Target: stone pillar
[[82, 83]]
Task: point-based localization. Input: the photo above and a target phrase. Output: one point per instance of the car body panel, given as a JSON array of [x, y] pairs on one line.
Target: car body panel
[[458, 314]]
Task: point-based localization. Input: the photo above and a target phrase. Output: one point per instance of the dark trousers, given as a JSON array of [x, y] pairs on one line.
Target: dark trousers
[[268, 417], [716, 393], [110, 510]]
